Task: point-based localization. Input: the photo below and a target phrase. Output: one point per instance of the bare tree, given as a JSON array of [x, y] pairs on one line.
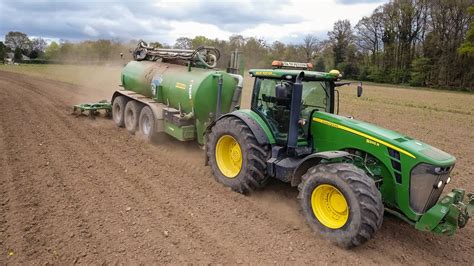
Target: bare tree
[[310, 46]]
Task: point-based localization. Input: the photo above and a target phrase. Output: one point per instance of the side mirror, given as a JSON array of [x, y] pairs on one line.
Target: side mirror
[[359, 89]]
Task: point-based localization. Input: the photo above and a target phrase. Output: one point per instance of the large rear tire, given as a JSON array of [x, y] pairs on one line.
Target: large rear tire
[[118, 107], [341, 203], [131, 115], [146, 123], [236, 158]]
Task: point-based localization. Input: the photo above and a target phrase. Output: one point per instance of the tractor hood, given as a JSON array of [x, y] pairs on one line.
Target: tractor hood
[[377, 136]]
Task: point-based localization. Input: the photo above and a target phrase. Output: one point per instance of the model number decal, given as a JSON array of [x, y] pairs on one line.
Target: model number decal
[[372, 142]]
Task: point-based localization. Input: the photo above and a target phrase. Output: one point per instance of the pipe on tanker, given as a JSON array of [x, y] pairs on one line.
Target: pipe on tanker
[[237, 92], [219, 97]]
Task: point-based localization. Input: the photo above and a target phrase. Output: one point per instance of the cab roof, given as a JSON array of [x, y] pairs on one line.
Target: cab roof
[[279, 73]]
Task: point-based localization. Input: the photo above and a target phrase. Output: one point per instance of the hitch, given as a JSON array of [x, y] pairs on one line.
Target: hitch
[[93, 109], [449, 214]]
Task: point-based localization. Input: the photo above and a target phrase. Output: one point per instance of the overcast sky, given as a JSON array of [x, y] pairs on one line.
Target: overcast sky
[[165, 21]]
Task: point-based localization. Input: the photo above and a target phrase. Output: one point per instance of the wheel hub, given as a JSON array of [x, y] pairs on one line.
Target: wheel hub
[[329, 206], [228, 156]]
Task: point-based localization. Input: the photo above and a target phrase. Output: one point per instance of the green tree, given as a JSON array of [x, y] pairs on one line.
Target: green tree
[[3, 51], [52, 51], [18, 53], [200, 41], [421, 68], [467, 47], [319, 66], [340, 37]]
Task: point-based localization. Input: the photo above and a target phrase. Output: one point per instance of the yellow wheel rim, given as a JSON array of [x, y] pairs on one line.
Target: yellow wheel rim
[[228, 156], [329, 206]]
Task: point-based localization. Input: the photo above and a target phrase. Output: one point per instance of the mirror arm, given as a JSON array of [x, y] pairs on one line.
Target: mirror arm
[[339, 84]]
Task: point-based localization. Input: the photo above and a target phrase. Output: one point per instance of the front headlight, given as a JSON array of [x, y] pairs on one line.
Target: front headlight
[[426, 185]]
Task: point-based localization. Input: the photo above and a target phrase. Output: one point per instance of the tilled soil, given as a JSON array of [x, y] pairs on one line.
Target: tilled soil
[[78, 190]]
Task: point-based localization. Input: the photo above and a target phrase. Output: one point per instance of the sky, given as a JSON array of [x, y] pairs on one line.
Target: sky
[[165, 21]]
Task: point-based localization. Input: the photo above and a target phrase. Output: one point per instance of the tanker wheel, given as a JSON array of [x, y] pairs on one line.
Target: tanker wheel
[[236, 158], [146, 123], [341, 203], [118, 107], [131, 115]]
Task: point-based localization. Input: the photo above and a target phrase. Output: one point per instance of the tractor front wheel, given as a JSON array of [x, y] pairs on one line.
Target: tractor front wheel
[[236, 158], [341, 203]]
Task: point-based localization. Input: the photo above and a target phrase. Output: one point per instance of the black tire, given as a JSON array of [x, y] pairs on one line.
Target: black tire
[[146, 123], [118, 108], [253, 171], [131, 115], [365, 208]]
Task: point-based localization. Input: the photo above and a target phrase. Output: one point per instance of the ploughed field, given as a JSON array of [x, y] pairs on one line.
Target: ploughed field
[[77, 190]]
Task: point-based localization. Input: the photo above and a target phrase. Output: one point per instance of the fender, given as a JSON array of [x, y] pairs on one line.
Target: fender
[[312, 160], [259, 128]]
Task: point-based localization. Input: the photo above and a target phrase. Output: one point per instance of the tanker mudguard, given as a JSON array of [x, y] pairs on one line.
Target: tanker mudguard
[[312, 160]]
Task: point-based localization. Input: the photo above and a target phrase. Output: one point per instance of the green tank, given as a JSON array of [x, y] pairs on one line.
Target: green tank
[[191, 91]]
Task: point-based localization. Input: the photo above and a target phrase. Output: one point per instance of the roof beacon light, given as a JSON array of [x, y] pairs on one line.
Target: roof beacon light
[[294, 65]]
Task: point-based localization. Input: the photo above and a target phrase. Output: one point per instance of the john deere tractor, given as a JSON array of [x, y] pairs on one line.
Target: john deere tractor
[[348, 172]]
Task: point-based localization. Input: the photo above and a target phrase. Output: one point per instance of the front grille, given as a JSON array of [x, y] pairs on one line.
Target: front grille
[[424, 192]]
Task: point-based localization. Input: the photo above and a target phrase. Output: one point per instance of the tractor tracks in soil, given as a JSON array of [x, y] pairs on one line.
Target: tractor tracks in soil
[[77, 190]]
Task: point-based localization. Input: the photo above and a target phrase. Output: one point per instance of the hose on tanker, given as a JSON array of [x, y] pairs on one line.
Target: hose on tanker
[[206, 55]]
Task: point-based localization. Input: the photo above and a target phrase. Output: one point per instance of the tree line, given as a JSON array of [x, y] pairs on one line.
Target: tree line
[[417, 42]]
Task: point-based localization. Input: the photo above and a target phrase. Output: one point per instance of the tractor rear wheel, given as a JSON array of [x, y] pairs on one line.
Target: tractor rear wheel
[[131, 115], [341, 203], [236, 158], [146, 123], [118, 107]]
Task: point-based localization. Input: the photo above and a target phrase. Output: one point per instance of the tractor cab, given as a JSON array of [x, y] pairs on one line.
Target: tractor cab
[[287, 95]]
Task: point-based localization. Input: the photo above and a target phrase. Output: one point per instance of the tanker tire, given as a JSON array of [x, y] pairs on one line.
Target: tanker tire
[[146, 123], [118, 108], [364, 200], [131, 116], [253, 173]]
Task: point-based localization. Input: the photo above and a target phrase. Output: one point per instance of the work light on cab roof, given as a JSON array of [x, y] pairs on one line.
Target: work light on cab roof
[[291, 65]]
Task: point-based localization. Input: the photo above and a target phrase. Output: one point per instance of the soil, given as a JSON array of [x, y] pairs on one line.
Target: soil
[[80, 190]]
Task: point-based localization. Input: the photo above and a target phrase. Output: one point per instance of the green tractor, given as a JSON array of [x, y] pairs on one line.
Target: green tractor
[[348, 172]]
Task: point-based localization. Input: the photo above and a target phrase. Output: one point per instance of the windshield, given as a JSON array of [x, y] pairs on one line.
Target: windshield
[[272, 98]]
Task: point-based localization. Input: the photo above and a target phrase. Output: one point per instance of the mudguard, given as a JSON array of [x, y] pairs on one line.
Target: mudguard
[[312, 160], [256, 124]]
